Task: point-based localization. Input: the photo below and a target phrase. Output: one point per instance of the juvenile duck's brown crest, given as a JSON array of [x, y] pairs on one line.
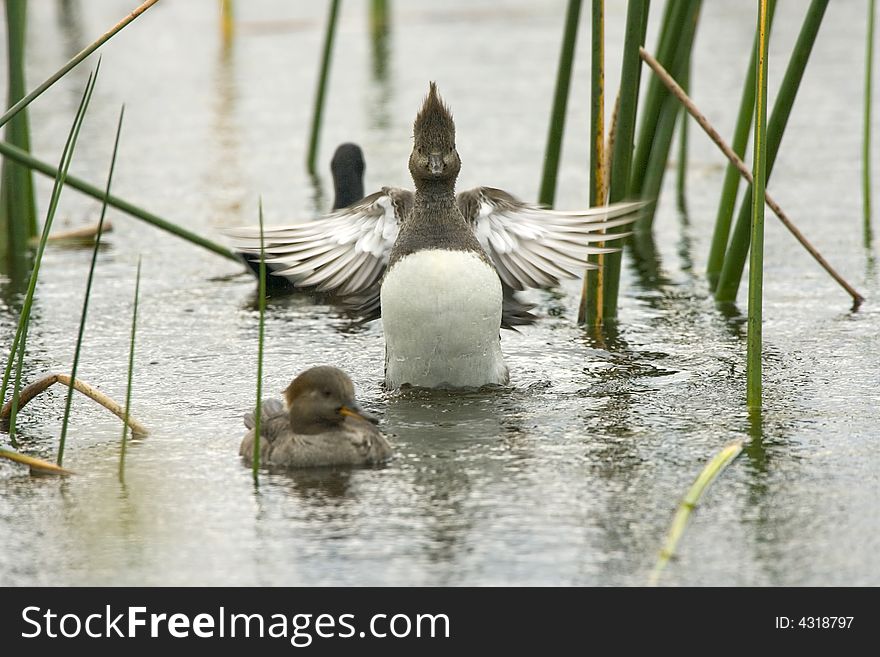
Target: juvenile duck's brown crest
[[434, 129]]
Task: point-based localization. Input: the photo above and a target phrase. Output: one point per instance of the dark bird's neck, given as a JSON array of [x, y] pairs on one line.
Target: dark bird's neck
[[435, 222], [348, 188]]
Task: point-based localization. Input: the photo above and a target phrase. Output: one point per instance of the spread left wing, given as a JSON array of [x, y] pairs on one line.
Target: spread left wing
[[535, 247]]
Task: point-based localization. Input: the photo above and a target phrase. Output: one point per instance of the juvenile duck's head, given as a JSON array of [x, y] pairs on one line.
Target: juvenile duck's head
[[434, 156], [320, 399]]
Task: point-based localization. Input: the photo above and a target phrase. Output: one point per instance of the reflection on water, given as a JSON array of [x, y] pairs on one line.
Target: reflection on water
[[70, 25], [568, 476]]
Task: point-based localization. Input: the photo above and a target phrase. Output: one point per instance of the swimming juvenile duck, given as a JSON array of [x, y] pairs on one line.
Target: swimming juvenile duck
[[322, 426], [439, 259]]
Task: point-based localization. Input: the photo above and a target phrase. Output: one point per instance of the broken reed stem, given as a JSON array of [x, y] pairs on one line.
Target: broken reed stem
[[90, 232], [35, 464], [743, 169], [35, 388], [709, 474]]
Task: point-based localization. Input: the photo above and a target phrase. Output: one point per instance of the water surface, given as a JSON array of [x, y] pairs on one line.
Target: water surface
[[570, 475]]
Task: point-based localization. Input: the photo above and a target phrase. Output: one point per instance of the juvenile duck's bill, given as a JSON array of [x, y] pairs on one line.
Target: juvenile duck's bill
[[361, 415]]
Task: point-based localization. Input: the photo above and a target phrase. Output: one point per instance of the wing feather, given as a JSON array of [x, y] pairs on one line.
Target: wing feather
[[345, 252], [535, 247]]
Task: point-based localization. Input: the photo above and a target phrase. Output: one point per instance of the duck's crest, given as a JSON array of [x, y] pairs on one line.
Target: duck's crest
[[434, 128]]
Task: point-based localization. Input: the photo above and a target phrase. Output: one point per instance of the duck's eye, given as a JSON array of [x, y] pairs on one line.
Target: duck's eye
[[327, 393]]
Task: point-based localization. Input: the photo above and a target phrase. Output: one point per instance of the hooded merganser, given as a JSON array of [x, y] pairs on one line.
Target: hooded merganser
[[434, 263]]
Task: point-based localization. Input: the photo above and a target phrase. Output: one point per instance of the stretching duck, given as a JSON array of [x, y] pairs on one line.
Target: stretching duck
[[322, 426], [433, 263]]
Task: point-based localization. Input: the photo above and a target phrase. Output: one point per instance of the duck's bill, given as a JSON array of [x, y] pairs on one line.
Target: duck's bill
[[358, 413]]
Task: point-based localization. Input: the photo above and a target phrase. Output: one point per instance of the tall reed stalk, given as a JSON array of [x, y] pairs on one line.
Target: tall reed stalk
[[18, 214], [602, 307], [681, 182], [380, 29], [323, 74], [134, 315], [227, 20], [598, 177], [730, 186], [866, 138], [759, 174], [598, 188], [560, 100], [255, 459], [19, 343], [737, 251], [85, 308], [675, 18], [734, 159], [647, 182], [18, 355]]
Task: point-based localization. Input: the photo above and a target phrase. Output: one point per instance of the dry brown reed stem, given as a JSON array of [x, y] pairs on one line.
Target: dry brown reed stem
[[35, 388], [84, 233], [36, 465], [689, 105]]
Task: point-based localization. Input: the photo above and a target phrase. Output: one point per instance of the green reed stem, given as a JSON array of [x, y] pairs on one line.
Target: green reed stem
[[19, 155], [866, 139], [673, 23], [18, 213], [692, 498], [85, 309], [730, 186], [380, 29], [560, 101], [134, 315], [255, 460], [759, 174], [311, 160], [20, 340], [85, 52], [16, 383], [732, 157], [603, 307], [598, 185], [378, 16], [648, 182], [683, 126], [592, 285], [737, 251]]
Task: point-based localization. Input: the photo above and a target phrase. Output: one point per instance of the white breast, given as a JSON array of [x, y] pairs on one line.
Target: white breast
[[441, 312]]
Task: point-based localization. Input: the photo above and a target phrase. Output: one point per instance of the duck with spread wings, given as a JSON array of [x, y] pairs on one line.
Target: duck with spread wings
[[434, 264]]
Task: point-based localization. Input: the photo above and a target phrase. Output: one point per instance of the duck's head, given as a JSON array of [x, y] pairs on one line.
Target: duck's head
[[320, 399], [434, 156]]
